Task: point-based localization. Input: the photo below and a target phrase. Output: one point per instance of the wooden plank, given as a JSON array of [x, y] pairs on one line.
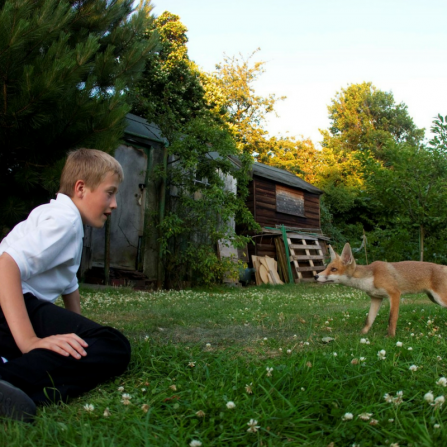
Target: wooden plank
[[317, 268], [307, 257], [301, 247]]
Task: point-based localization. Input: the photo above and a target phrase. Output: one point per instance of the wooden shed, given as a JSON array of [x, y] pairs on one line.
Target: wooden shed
[[288, 210]]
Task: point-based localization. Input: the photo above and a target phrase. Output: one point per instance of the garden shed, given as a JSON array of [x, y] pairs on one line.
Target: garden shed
[[288, 210], [129, 229]]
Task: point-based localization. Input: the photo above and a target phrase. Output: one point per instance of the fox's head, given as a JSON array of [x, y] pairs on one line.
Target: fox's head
[[339, 268]]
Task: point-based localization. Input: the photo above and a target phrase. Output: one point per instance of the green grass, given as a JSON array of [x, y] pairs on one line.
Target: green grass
[[194, 351]]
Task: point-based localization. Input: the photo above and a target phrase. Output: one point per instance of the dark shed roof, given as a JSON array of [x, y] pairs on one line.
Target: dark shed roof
[[142, 130], [285, 177]]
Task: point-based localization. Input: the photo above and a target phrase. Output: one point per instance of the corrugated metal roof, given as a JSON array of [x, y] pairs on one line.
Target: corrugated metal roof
[[139, 127], [282, 176]]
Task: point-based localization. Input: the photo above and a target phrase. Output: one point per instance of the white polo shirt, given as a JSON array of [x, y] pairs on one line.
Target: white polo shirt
[[47, 247]]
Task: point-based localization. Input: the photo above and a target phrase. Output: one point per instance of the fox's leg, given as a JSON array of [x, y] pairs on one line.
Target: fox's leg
[[394, 312], [374, 308]]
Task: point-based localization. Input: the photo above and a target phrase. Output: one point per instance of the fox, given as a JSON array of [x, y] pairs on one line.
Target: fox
[[386, 280]]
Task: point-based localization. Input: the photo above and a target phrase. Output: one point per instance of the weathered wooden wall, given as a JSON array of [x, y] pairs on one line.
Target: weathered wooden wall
[[262, 204]]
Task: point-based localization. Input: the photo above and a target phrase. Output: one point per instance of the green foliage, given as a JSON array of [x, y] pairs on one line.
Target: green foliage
[[203, 158], [364, 118], [65, 67], [230, 92]]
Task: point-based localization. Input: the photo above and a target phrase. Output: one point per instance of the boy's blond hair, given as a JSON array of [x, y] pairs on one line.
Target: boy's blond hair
[[90, 165]]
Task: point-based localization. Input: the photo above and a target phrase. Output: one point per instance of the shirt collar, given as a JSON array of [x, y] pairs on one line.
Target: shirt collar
[[62, 199]]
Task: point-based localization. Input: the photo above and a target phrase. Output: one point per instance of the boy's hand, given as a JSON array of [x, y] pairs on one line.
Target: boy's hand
[[63, 344]]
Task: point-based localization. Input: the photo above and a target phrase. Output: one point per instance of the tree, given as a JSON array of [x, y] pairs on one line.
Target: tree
[[231, 93], [365, 122], [364, 118], [298, 156], [411, 189], [65, 68], [199, 210], [170, 92]]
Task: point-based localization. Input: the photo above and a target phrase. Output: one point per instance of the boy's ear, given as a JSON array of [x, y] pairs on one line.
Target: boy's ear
[[346, 255], [79, 189]]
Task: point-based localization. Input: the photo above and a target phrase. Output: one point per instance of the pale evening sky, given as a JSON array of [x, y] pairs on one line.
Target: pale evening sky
[[313, 48]]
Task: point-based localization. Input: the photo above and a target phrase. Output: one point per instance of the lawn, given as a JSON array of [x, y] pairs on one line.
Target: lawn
[[258, 366]]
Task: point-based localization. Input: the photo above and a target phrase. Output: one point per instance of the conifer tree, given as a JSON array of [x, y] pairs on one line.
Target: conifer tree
[[65, 68]]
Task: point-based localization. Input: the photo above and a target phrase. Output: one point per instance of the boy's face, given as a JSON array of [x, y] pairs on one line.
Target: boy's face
[[95, 206]]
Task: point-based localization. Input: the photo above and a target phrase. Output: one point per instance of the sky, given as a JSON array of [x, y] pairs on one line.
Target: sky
[[314, 48]]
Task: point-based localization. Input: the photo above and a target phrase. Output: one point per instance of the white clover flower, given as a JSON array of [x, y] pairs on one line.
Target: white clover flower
[[173, 387], [347, 417], [195, 443], [143, 390], [334, 354], [362, 359], [399, 344], [253, 427], [230, 405], [439, 358], [248, 388], [438, 402], [410, 348], [388, 398], [89, 407], [442, 381], [436, 426], [269, 371], [381, 354], [208, 345], [265, 338], [192, 364], [306, 343], [145, 407], [363, 340], [121, 389], [365, 416], [429, 397], [289, 351], [413, 368], [106, 413], [126, 396]]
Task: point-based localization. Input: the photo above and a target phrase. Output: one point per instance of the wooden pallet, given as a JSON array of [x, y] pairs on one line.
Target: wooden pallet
[[306, 256]]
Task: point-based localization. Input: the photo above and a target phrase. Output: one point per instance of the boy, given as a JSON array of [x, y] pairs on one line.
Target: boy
[[55, 353]]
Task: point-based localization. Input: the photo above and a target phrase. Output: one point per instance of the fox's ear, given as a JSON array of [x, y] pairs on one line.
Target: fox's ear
[[346, 255], [332, 253]]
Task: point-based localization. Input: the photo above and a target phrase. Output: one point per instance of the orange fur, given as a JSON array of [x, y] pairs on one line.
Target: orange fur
[[386, 280]]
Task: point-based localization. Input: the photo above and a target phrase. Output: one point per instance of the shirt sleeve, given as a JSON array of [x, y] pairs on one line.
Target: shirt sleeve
[[51, 243], [74, 285]]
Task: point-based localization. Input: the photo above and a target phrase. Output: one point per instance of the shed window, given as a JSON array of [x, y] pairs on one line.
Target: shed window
[[289, 201]]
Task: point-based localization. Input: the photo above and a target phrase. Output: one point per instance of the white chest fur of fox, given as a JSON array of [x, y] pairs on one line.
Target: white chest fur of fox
[[386, 280]]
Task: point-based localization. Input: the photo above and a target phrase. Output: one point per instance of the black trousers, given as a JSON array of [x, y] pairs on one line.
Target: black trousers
[[50, 377]]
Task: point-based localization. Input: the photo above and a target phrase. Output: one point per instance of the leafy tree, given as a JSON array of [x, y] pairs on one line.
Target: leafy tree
[[230, 91], [170, 92], [364, 118], [298, 156], [411, 191], [365, 122], [65, 67], [200, 210]]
